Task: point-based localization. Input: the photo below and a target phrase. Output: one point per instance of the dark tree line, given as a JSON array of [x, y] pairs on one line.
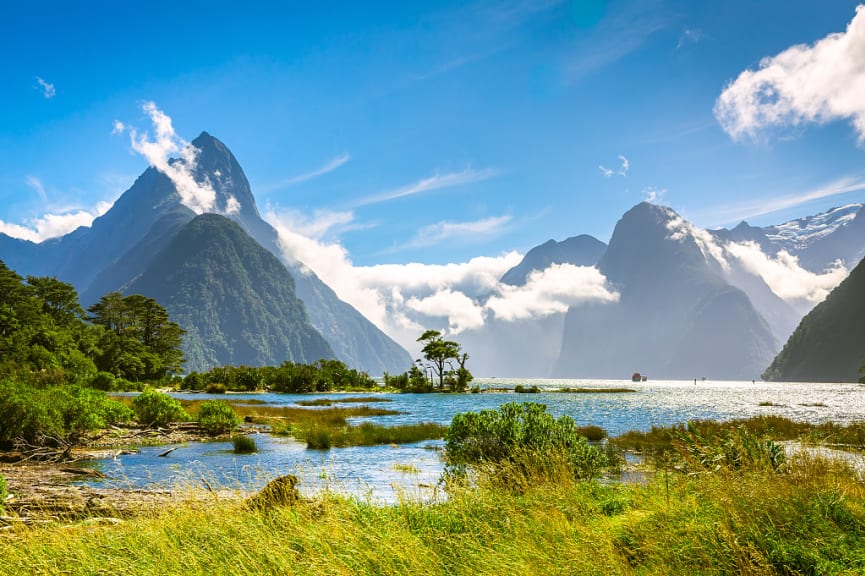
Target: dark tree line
[[45, 331]]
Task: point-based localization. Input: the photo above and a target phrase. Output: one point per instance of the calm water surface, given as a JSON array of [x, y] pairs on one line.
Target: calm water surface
[[385, 473]]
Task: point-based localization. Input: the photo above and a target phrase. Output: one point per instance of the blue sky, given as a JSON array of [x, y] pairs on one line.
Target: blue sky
[[438, 132]]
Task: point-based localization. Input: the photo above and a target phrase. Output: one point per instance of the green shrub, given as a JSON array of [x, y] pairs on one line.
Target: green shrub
[[216, 388], [520, 433], [154, 408], [103, 381], [217, 417], [244, 444], [520, 389]]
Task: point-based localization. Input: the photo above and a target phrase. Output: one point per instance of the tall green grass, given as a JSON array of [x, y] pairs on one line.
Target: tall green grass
[[808, 519]]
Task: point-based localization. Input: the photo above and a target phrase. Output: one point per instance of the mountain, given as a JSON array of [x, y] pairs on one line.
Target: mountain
[[675, 317], [818, 241], [829, 344], [582, 250], [122, 243], [235, 299]]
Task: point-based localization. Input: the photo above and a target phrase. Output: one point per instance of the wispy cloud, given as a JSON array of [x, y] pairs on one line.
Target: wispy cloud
[[689, 36], [624, 166], [330, 166], [435, 182], [46, 88], [118, 127], [654, 194], [743, 210], [621, 33], [473, 230], [815, 83], [37, 186], [53, 225]]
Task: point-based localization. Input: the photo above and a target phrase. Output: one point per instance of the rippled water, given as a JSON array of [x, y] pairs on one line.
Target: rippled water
[[383, 472]]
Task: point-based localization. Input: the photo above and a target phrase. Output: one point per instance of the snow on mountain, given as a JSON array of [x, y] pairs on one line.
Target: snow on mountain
[[798, 234]]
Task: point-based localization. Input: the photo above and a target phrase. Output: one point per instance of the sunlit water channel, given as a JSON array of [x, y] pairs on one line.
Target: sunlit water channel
[[387, 472]]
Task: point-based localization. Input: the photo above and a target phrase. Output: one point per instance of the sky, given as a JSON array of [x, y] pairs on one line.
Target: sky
[[439, 139]]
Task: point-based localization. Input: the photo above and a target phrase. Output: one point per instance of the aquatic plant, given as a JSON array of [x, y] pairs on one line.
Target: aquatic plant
[[244, 444]]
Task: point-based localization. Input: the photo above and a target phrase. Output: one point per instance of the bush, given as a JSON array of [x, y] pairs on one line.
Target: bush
[[216, 388], [520, 389], [103, 381], [154, 408], [244, 444], [513, 432], [217, 417], [48, 416]]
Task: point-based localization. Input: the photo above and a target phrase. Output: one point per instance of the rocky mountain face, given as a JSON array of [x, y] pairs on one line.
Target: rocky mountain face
[[121, 245], [829, 343], [235, 299], [676, 317]]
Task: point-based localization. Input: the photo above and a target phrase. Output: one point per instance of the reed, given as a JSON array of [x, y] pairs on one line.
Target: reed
[[808, 519]]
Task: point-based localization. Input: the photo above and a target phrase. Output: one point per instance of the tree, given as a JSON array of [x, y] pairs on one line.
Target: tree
[[140, 342], [441, 354]]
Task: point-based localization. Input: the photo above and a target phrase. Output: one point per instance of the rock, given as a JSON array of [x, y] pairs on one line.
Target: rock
[[279, 492]]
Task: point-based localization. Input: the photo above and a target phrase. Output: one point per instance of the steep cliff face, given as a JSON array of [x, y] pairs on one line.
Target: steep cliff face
[[675, 318], [829, 343], [235, 299]]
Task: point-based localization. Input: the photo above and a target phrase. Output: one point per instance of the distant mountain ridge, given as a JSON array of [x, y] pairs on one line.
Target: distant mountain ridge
[[123, 242], [582, 250]]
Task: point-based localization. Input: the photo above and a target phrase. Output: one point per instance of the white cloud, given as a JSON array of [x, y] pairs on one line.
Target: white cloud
[[781, 273], [784, 275], [53, 225], [606, 172], [46, 88], [803, 84], [435, 182], [624, 166], [199, 197], [550, 291], [330, 166], [654, 194], [401, 299], [118, 127], [442, 231]]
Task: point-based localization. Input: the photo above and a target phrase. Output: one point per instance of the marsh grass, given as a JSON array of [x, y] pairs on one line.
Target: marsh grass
[[349, 400], [808, 519], [244, 444], [369, 434], [660, 439]]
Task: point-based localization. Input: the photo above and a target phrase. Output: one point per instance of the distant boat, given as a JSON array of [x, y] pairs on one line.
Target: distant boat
[[637, 377]]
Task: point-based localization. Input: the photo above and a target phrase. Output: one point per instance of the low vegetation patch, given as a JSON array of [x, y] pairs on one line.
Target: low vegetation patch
[[154, 408], [369, 434], [332, 401], [244, 444], [519, 440], [581, 390], [217, 417]]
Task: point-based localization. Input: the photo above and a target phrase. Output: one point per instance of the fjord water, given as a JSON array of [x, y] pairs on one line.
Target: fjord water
[[384, 472]]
